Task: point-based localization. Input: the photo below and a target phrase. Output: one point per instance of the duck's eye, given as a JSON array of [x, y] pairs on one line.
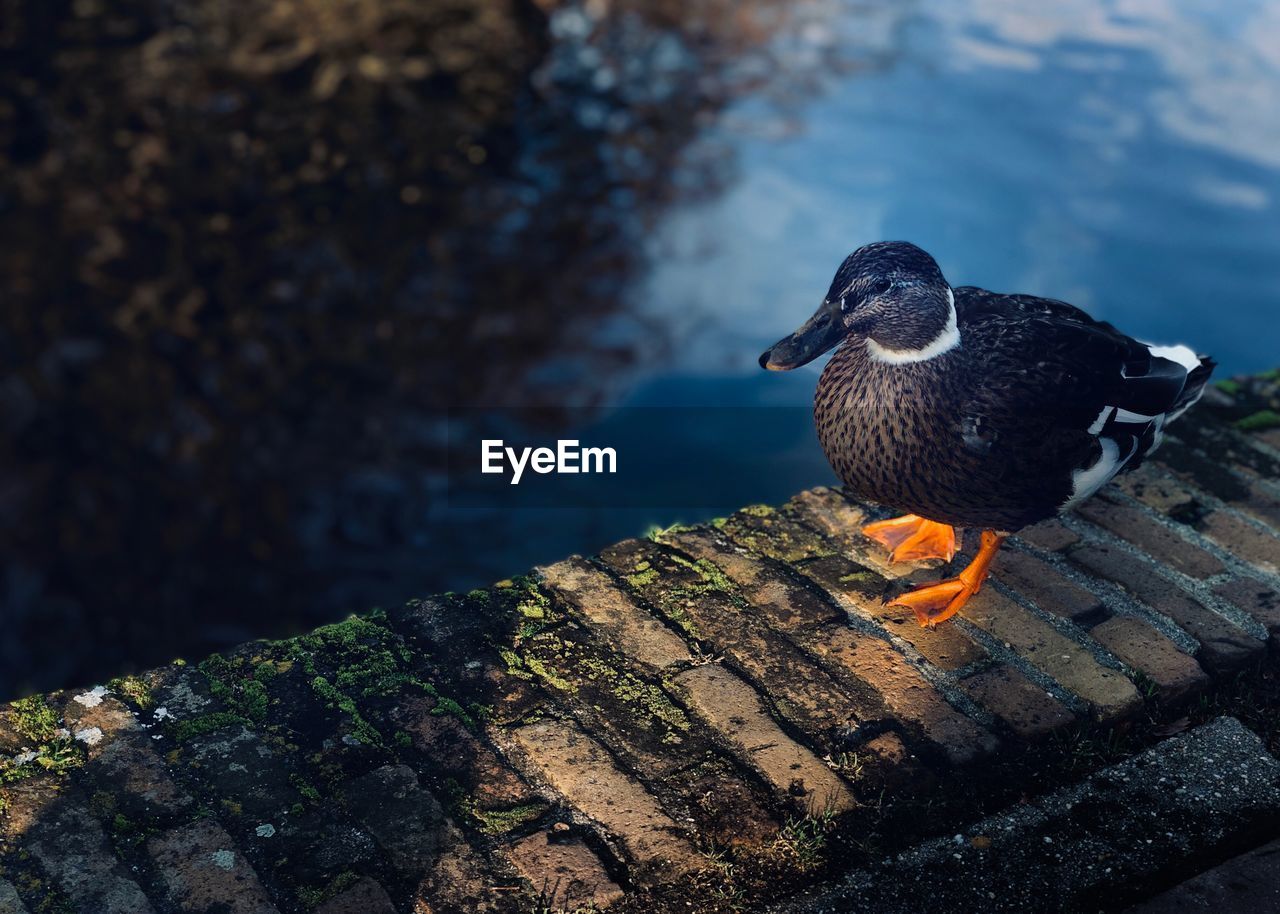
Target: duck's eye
[[881, 286]]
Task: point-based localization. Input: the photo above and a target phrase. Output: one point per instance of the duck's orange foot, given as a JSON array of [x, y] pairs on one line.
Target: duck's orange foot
[[911, 538], [934, 603]]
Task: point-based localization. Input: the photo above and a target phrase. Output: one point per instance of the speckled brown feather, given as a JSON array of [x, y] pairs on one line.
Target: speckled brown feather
[[987, 434]]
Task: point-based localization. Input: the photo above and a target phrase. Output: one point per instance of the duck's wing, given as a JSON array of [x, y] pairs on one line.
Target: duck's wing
[[1049, 376]]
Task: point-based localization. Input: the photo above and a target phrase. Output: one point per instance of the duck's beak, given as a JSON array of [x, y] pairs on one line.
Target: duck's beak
[[819, 334]]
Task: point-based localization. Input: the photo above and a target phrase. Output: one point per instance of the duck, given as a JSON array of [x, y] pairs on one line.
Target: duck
[[967, 408]]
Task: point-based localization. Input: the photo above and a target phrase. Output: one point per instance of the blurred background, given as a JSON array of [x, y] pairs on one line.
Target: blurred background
[[251, 252]]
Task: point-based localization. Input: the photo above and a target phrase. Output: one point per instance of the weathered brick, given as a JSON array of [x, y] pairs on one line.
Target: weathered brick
[[1223, 644], [1151, 487], [565, 873], [839, 521], [831, 513], [120, 756], [582, 771], [734, 710], [1255, 598], [56, 827], [862, 591], [1244, 494], [418, 840], [1133, 640], [10, 903], [786, 603], [455, 753], [775, 534], [908, 695], [97, 720], [129, 768], [237, 765], [803, 691], [1049, 535], [1044, 586], [886, 763], [203, 872], [1107, 691], [1243, 540], [1024, 707], [1160, 542], [407, 822], [365, 897], [598, 599], [1268, 436]]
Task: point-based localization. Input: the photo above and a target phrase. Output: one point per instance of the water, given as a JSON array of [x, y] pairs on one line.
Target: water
[[243, 283]]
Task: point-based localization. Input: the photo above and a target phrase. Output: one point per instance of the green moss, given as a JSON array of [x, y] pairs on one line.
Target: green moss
[[646, 700], [713, 578], [314, 896], [235, 684], [134, 689], [1262, 419], [34, 719], [1228, 386], [758, 511], [495, 822], [857, 577], [338, 700], [643, 578], [305, 788], [448, 706], [548, 675], [184, 730], [402, 739], [56, 753], [514, 663]]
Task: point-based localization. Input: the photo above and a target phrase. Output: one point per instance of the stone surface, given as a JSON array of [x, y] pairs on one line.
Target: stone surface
[[1043, 585], [580, 769], [365, 897], [812, 699], [1024, 707], [1134, 641], [1050, 535], [1257, 599], [1225, 645], [908, 695], [203, 872], [10, 903], [1088, 846], [66, 839], [1109, 693], [598, 598], [407, 822], [564, 873], [1242, 539], [860, 590], [1148, 534], [787, 604], [735, 711], [1249, 882]]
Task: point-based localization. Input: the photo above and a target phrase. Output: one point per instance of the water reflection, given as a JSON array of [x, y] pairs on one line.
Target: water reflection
[[251, 250]]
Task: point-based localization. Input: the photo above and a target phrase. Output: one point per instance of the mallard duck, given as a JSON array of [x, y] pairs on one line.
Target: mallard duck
[[970, 408]]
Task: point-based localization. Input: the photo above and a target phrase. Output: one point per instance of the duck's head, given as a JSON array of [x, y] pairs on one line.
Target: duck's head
[[891, 294]]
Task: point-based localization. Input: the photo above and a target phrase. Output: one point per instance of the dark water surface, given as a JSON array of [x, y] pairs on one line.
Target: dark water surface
[[251, 253]]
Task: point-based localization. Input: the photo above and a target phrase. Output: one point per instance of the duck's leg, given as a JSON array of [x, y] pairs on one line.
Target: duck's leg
[[911, 538], [934, 603]]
